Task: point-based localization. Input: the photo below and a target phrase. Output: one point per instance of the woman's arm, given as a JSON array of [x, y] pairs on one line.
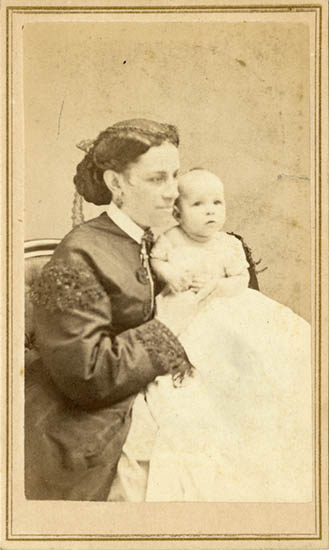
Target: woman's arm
[[86, 360]]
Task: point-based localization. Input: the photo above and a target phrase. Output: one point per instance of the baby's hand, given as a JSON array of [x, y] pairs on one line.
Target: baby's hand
[[179, 282], [198, 282], [204, 287]]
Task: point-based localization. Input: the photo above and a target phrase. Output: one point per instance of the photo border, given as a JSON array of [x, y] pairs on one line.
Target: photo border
[[317, 8]]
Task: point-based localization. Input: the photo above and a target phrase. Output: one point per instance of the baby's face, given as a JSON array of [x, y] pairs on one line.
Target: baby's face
[[201, 204]]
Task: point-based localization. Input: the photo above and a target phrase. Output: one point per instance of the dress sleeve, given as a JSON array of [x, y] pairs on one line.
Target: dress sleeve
[[86, 360], [237, 261], [252, 265]]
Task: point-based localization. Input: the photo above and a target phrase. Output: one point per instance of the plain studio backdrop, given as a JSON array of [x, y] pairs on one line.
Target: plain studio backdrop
[[239, 94]]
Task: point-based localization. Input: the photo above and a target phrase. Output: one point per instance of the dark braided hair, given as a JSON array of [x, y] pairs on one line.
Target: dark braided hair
[[114, 149]]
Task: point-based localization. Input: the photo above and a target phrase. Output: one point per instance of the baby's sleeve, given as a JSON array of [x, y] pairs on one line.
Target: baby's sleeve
[[236, 262]]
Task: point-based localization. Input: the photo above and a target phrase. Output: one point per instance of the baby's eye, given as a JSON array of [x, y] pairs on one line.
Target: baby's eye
[[217, 202], [197, 203], [156, 179]]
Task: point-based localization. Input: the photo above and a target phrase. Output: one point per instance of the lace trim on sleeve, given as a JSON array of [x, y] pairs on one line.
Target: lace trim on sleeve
[[62, 287], [165, 350]]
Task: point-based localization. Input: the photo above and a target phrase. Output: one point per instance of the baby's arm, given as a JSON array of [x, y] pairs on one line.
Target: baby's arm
[[232, 285], [236, 278], [176, 279]]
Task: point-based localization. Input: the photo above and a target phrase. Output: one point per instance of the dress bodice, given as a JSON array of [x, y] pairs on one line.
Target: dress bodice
[[222, 256]]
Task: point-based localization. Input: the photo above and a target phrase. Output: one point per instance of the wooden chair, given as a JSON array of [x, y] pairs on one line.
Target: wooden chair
[[36, 254]]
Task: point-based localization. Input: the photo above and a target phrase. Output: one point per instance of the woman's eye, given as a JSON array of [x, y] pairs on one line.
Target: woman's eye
[[156, 179]]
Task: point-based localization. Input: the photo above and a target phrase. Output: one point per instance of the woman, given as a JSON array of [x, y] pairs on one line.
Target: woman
[[98, 339]]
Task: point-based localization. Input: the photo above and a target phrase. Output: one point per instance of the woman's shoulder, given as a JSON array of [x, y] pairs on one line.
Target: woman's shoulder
[[90, 239], [90, 227], [78, 268]]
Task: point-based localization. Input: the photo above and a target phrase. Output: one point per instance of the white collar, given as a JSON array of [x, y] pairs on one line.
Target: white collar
[[125, 223]]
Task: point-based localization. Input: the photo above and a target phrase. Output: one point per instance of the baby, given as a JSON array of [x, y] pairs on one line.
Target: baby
[[196, 254], [211, 439]]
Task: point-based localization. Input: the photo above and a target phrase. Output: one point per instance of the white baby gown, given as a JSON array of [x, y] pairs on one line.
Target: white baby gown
[[241, 428]]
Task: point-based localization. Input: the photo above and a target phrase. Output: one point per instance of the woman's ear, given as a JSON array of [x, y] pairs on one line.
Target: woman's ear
[[112, 181]]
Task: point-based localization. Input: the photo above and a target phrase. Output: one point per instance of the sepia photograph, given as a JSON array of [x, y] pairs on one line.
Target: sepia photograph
[[166, 246]]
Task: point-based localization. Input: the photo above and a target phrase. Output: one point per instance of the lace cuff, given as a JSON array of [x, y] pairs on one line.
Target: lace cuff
[[164, 349], [63, 287]]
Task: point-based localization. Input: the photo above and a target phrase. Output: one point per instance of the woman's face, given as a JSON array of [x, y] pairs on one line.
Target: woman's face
[[149, 186]]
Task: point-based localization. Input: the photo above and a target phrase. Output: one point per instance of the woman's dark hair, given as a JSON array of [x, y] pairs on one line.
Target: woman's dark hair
[[114, 149]]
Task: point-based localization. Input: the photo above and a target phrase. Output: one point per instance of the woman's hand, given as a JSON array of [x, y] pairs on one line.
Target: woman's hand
[[176, 311]]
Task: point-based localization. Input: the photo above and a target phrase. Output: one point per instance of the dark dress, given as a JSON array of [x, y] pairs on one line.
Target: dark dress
[[98, 346]]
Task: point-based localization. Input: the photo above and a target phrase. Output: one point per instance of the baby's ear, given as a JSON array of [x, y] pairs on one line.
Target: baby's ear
[[176, 213]]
